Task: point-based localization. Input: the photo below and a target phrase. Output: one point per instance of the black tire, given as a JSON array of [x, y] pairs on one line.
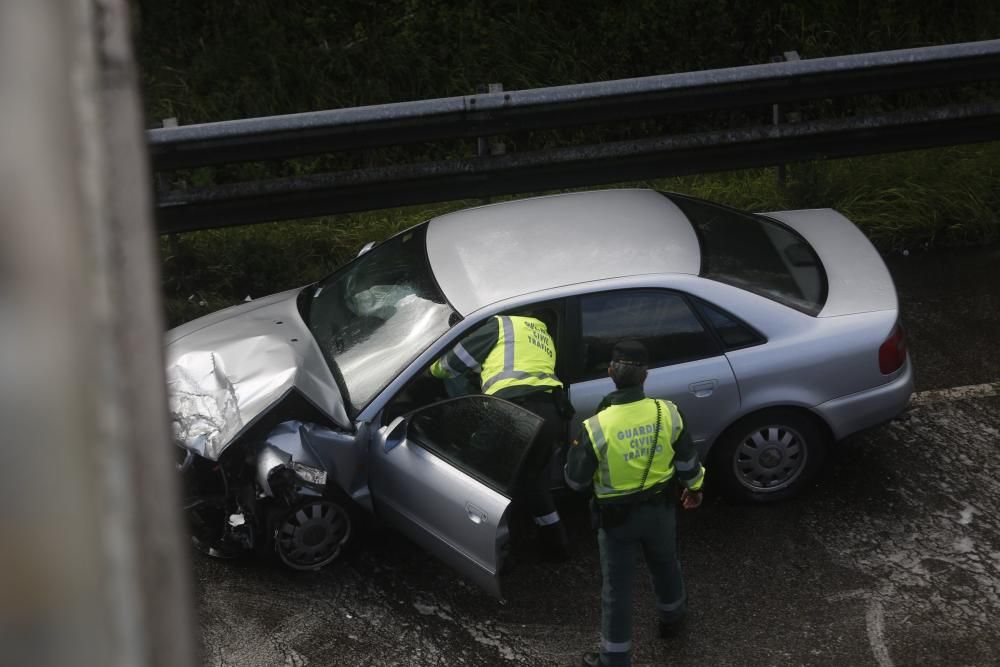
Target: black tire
[[768, 456], [312, 534]]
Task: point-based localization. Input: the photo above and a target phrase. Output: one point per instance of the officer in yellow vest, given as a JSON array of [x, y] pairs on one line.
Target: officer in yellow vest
[[633, 451], [514, 358]]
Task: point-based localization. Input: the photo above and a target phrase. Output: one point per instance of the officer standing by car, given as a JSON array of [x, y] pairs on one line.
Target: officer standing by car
[[632, 451], [514, 358]]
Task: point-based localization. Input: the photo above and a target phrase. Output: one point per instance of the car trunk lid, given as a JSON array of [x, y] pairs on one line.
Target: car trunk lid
[[857, 278]]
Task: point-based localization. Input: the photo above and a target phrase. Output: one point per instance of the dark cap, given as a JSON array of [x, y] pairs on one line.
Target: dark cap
[[630, 352]]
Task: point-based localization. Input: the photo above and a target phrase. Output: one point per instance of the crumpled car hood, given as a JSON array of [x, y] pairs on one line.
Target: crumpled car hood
[[226, 369]]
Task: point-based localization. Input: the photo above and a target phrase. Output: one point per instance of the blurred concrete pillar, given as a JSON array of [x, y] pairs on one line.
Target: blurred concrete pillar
[[93, 569]]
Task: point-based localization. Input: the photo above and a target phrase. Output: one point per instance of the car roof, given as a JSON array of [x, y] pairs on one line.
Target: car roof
[[487, 254]]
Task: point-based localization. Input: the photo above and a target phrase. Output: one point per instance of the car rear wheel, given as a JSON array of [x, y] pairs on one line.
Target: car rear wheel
[[312, 533], [768, 456]]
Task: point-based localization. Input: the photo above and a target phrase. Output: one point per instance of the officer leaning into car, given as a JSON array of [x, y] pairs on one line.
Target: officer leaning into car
[[515, 359], [634, 451]]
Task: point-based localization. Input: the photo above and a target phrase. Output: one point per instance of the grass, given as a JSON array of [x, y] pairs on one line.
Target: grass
[[945, 197], [208, 270], [205, 61], [941, 197], [933, 198]]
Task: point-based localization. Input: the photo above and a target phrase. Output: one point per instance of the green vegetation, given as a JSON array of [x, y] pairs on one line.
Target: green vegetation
[[946, 196], [205, 271], [902, 201], [205, 61]]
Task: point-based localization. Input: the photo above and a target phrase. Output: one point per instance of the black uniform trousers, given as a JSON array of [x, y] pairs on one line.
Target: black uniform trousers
[[651, 526], [534, 485]]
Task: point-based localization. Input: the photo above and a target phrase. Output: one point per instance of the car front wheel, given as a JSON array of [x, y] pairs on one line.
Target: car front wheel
[[768, 456], [311, 534]]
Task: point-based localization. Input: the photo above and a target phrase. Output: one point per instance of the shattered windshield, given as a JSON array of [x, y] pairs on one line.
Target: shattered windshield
[[376, 314]]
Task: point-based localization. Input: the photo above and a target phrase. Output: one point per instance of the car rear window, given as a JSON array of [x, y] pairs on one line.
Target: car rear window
[[733, 333], [757, 254]]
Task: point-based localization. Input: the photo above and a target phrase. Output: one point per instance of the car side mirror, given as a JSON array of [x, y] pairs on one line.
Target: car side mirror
[[393, 434]]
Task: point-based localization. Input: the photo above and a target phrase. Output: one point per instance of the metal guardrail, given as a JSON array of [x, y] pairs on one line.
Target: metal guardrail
[[294, 135]]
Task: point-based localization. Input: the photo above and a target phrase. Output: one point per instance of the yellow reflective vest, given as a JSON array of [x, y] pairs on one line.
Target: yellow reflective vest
[[524, 355], [622, 436]]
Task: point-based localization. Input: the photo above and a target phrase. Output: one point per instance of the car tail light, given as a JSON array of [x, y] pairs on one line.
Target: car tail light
[[892, 353]]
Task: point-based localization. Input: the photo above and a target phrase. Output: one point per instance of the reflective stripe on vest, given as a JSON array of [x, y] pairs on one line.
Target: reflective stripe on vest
[[524, 355], [621, 436]]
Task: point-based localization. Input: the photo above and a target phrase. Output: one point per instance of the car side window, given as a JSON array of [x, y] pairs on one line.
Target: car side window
[[733, 332], [424, 390], [660, 319], [483, 436]]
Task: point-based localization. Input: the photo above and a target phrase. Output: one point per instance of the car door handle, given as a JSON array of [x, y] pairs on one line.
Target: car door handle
[[475, 514], [703, 388]]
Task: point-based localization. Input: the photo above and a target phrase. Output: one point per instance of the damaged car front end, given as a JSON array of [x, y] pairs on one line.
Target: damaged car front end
[[264, 469], [270, 495], [264, 398]]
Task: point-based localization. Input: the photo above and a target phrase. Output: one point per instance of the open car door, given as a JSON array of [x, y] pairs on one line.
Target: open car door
[[444, 474]]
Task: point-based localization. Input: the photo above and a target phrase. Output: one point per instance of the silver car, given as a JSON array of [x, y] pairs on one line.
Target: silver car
[[776, 334]]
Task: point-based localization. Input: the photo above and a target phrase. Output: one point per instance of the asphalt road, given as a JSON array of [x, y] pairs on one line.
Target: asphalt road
[[892, 558]]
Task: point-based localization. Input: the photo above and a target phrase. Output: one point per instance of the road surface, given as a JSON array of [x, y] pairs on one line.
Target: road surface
[[892, 558]]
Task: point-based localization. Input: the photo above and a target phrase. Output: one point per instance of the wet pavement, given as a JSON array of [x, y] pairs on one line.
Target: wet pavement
[[951, 309], [892, 558]]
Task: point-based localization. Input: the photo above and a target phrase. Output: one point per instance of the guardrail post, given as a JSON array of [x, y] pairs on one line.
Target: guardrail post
[[162, 187], [483, 144], [776, 110], [485, 147]]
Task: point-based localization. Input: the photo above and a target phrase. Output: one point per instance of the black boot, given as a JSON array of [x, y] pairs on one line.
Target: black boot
[[553, 542], [592, 660], [670, 629]]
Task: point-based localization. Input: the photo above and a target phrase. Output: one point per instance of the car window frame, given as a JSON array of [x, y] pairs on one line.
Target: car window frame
[[565, 339], [559, 306], [696, 301], [465, 468], [304, 304], [812, 310], [579, 373]]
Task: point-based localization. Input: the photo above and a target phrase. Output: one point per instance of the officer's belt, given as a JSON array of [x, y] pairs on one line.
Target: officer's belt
[[541, 396], [658, 493]]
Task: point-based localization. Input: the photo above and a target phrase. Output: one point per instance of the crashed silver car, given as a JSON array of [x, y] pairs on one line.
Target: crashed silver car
[[776, 334]]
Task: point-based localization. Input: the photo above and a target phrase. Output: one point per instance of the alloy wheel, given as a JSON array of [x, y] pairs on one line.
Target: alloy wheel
[[770, 458], [311, 535]]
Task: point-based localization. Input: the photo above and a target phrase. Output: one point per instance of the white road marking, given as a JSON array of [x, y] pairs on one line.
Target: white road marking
[[936, 563], [966, 515], [875, 622], [956, 393], [847, 595]]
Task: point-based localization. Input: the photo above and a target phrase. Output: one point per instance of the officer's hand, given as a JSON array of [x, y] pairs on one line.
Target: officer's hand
[[690, 499]]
